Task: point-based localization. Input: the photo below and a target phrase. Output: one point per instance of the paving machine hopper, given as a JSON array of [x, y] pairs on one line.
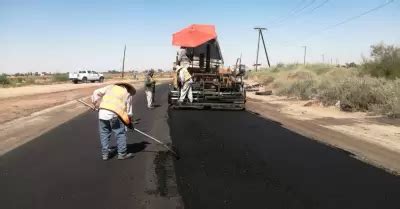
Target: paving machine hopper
[[214, 86]]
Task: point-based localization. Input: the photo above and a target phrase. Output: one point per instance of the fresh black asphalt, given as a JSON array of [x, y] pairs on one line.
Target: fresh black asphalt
[[63, 168], [239, 160], [229, 159]]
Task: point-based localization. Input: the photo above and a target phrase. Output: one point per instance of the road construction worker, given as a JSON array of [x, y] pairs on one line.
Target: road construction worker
[[115, 114], [182, 55], [175, 76], [149, 88], [186, 82]]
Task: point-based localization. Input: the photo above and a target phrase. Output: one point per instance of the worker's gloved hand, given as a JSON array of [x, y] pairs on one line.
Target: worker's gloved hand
[[131, 124]]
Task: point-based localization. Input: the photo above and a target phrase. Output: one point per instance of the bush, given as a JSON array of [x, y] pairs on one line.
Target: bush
[[4, 80], [19, 79], [302, 89], [30, 81], [357, 92], [60, 77], [267, 80], [363, 94], [389, 93], [280, 65], [385, 62], [353, 87]]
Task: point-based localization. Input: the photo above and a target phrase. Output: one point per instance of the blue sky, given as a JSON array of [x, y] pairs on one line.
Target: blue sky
[[62, 36]]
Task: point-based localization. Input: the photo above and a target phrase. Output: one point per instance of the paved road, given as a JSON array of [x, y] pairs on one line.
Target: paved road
[[229, 160], [239, 160], [63, 168]]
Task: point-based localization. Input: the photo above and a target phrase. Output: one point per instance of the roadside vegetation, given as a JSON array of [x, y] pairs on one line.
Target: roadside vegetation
[[372, 86], [24, 80], [19, 79]]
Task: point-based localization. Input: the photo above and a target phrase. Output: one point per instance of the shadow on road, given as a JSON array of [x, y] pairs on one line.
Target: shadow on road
[[131, 148], [137, 147]]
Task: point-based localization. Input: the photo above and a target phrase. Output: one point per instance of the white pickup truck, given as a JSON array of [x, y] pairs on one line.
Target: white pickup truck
[[85, 76]]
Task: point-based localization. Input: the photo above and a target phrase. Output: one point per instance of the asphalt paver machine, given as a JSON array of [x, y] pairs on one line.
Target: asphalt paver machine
[[214, 86]]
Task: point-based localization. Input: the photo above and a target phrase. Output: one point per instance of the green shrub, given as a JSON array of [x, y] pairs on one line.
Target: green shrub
[[354, 87], [19, 79], [385, 61], [302, 89], [280, 65], [60, 77], [363, 94], [389, 94], [30, 81], [4, 80]]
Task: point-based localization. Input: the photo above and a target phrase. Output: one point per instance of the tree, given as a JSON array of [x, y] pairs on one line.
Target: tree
[[385, 61]]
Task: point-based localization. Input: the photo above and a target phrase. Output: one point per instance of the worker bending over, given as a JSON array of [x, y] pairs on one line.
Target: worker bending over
[[115, 113], [149, 88], [186, 82]]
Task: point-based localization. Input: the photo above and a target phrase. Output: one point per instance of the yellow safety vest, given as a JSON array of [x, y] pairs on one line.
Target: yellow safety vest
[[186, 74], [114, 100]]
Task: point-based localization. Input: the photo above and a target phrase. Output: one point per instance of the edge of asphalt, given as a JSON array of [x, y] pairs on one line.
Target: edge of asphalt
[[369, 153], [25, 129], [22, 130]]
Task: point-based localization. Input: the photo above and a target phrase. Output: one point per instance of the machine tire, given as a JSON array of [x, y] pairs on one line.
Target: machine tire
[[75, 81], [84, 80], [101, 80]]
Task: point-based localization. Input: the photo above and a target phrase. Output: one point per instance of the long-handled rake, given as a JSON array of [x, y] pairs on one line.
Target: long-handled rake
[[171, 150]]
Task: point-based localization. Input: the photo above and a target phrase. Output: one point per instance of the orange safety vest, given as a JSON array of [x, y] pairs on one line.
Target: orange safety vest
[[114, 100]]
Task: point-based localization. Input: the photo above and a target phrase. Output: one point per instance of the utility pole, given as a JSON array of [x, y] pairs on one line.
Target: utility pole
[[323, 58], [305, 54], [123, 62], [260, 35]]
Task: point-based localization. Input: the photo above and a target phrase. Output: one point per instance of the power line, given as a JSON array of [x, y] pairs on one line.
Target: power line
[[292, 11], [296, 13], [306, 6], [318, 6], [360, 15], [299, 12], [351, 18]]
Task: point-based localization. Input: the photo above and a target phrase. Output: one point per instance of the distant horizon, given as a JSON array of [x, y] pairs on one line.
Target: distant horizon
[[53, 36]]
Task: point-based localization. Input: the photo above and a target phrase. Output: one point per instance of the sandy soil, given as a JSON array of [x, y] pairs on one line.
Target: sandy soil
[[377, 129], [23, 101], [42, 89], [312, 119]]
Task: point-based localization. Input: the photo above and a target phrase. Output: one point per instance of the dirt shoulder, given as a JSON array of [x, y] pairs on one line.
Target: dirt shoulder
[[23, 101], [374, 139]]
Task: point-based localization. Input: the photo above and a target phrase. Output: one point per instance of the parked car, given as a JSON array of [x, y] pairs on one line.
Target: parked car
[[86, 76]]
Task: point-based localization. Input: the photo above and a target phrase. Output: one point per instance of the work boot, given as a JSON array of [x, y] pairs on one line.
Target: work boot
[[105, 156], [124, 156]]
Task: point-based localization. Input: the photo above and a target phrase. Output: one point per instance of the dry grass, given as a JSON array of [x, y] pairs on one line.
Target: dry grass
[[330, 84]]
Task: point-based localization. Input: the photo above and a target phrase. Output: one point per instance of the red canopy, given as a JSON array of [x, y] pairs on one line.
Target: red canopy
[[194, 35]]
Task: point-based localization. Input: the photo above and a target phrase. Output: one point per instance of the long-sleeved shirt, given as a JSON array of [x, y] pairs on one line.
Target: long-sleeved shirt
[[106, 114], [149, 83], [182, 55], [182, 75]]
